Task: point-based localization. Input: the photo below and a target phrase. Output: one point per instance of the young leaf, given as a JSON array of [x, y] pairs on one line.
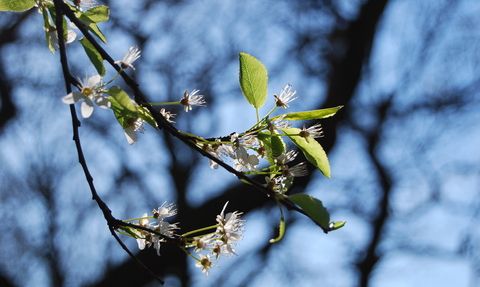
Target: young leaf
[[281, 229], [53, 13], [310, 115], [49, 42], [122, 114], [313, 207], [338, 224], [17, 5], [89, 19], [94, 56], [98, 14], [147, 116], [96, 31], [312, 149], [275, 145], [118, 110], [124, 101], [253, 80]]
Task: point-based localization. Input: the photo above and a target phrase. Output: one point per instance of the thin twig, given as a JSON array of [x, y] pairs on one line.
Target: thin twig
[[164, 124], [111, 221]]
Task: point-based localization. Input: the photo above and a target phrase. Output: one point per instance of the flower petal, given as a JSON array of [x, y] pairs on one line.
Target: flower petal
[[71, 35], [102, 102], [213, 165], [242, 154], [238, 166], [223, 210], [72, 97], [141, 243], [131, 135], [253, 161], [87, 108], [93, 81]]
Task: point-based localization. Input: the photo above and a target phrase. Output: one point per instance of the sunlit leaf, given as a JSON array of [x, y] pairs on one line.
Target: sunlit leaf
[[274, 144], [281, 229], [147, 116], [16, 5], [338, 224], [313, 207], [310, 115], [98, 14], [118, 110], [128, 108], [96, 31], [253, 80], [312, 150], [94, 56], [91, 17], [53, 13]]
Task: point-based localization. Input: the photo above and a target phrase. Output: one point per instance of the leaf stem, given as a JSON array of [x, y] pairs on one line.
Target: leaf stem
[[134, 219], [163, 104], [200, 230]]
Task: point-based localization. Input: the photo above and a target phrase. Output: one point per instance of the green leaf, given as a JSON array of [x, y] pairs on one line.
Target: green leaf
[[98, 14], [147, 116], [275, 144], [274, 147], [310, 115], [89, 23], [313, 207], [16, 5], [281, 230], [253, 80], [130, 231], [118, 110], [49, 43], [47, 25], [94, 56], [96, 31], [338, 224], [126, 105], [312, 150], [53, 13]]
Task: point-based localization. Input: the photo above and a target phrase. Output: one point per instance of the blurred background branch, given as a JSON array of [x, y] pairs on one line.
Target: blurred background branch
[[404, 150]]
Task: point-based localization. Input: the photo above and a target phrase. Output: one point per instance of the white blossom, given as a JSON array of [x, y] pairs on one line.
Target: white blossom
[[205, 263], [285, 97], [278, 124], [167, 115], [230, 229], [132, 54], [53, 36], [192, 99], [297, 170], [134, 125], [89, 93], [242, 159], [314, 131], [85, 4], [164, 211]]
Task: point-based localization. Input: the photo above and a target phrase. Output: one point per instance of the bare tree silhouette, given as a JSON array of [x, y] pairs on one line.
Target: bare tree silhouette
[[409, 85]]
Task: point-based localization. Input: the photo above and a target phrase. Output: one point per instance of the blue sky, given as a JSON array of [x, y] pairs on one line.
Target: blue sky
[[433, 156]]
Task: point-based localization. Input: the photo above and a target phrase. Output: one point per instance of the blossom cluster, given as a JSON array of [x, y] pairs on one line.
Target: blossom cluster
[[92, 90], [280, 180], [263, 140], [145, 238], [228, 231], [221, 242], [246, 150]]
